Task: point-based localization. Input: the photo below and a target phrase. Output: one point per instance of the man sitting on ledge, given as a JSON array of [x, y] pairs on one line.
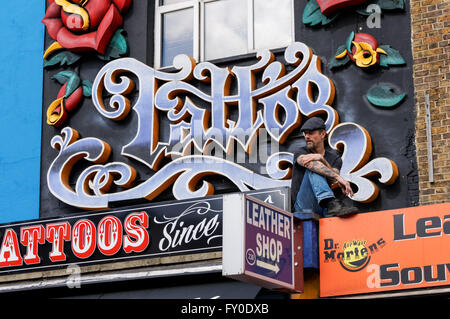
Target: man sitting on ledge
[[316, 167]]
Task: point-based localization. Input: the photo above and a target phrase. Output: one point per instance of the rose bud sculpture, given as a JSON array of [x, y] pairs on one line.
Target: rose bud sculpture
[[68, 98]]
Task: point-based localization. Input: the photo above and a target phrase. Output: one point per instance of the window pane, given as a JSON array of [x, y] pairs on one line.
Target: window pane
[[273, 22], [177, 36], [225, 28]]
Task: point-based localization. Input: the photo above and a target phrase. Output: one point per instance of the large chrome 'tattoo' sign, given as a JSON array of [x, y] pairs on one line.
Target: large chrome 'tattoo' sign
[[206, 127]]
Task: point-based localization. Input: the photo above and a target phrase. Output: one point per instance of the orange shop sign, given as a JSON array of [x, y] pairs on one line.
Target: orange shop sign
[[387, 250]]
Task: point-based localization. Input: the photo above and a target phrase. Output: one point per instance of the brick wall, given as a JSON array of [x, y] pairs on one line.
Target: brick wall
[[430, 20]]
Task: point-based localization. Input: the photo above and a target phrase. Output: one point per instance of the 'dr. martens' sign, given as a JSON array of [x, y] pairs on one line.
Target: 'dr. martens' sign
[[387, 250], [166, 229]]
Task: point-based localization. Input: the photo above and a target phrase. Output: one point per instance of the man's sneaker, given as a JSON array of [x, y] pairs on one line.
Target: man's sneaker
[[337, 207]]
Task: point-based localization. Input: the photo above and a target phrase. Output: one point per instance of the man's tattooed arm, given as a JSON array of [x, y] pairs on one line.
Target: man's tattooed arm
[[321, 169]]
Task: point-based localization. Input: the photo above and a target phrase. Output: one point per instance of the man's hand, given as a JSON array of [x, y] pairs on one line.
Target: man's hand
[[317, 163], [345, 186]]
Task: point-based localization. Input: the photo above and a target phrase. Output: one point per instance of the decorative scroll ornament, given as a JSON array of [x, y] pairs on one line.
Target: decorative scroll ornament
[[355, 143], [275, 94], [203, 125], [93, 184]]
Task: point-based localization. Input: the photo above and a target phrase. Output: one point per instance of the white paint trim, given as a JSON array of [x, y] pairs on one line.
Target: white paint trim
[[233, 235]]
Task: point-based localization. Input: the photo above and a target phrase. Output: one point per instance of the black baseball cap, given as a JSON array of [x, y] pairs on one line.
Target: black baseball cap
[[314, 123]]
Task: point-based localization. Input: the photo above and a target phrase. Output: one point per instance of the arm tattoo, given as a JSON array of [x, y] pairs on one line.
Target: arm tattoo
[[321, 169]]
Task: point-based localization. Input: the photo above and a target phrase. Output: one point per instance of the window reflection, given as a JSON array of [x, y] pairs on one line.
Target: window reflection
[[212, 29], [177, 35], [272, 23], [226, 29]]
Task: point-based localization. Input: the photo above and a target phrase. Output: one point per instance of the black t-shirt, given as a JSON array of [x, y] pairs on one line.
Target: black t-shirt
[[332, 156]]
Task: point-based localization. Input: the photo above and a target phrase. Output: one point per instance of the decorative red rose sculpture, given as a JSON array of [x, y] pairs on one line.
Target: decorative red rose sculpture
[[84, 25], [328, 7], [364, 51]]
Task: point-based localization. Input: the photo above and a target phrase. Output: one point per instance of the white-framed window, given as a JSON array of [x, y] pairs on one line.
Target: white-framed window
[[212, 29]]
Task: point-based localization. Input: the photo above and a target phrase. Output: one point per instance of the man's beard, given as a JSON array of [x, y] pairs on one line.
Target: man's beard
[[310, 146]]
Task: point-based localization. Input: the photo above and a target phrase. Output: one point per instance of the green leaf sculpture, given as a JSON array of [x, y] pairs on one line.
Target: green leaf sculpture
[[384, 96], [117, 47], [393, 57], [313, 16], [334, 63], [385, 5], [62, 58], [87, 87], [73, 82], [72, 79]]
